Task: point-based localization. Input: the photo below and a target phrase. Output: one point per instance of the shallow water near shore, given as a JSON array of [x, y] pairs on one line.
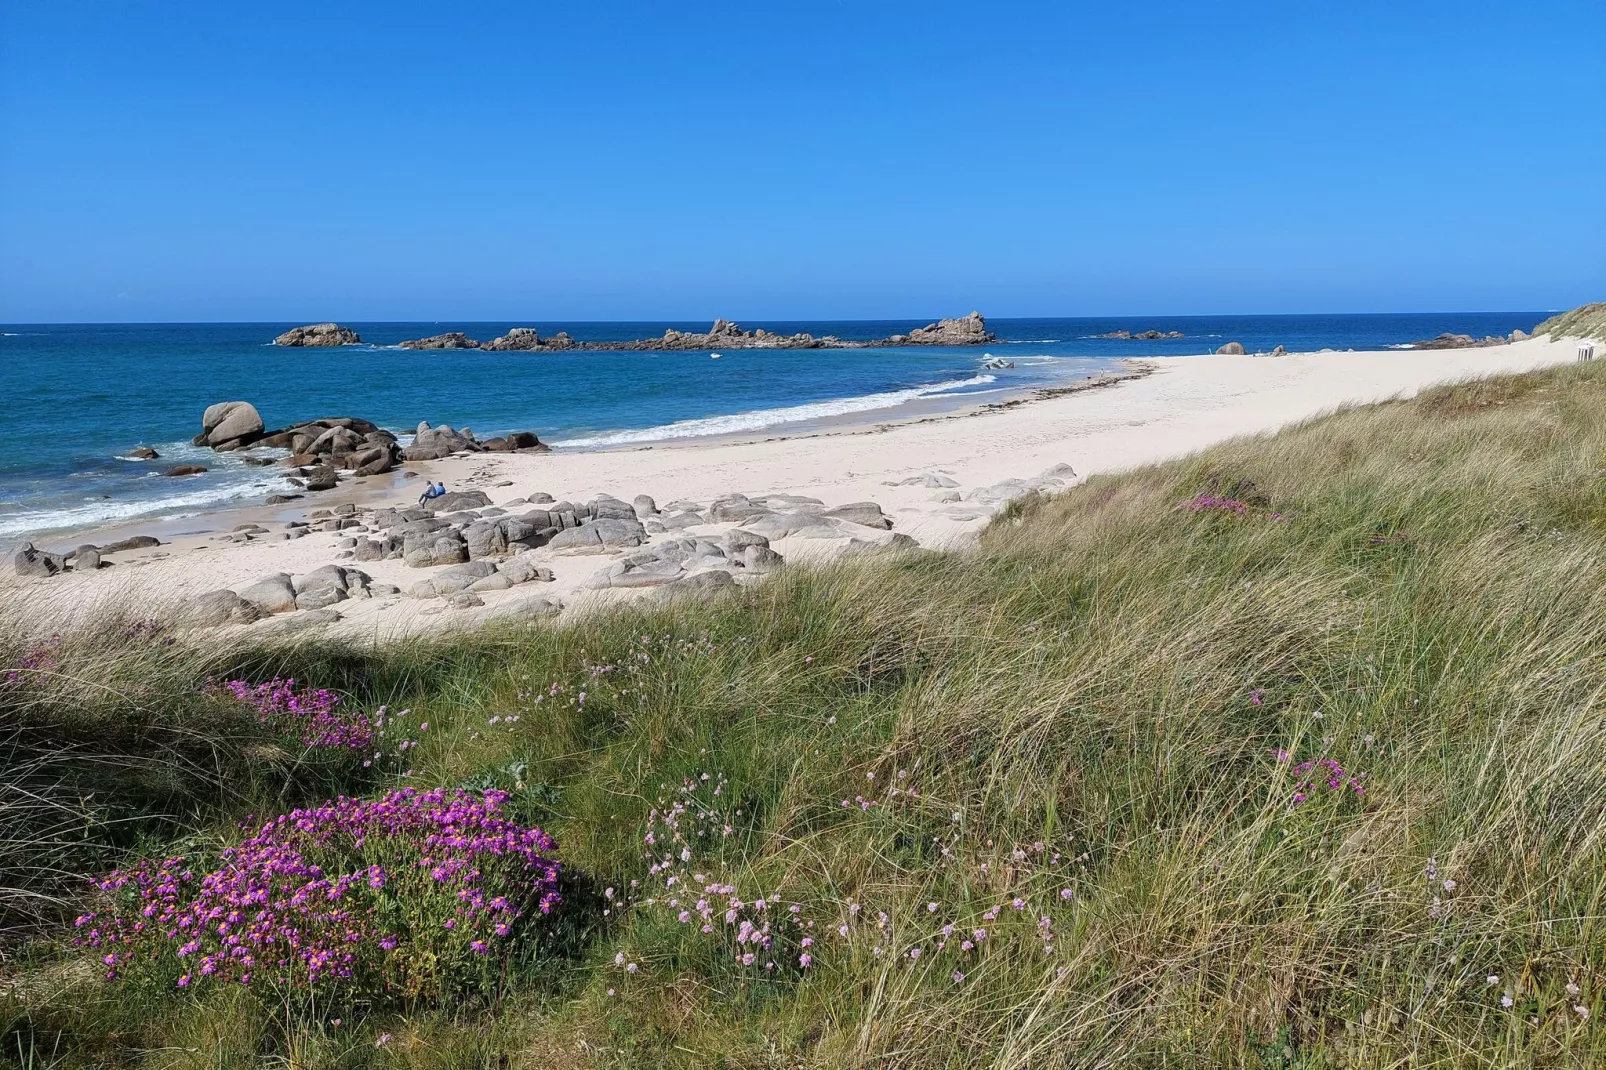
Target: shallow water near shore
[[76, 398]]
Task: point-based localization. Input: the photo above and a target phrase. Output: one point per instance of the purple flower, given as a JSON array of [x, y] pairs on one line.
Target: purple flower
[[302, 901]]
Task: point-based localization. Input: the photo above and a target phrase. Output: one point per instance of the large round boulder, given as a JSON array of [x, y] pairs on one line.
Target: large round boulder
[[271, 594], [220, 607], [230, 421]]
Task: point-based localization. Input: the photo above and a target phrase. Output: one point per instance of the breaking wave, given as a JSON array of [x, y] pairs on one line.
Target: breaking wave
[[759, 419]]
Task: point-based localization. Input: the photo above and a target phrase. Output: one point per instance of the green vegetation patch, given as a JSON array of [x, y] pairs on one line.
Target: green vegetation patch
[[1283, 754]]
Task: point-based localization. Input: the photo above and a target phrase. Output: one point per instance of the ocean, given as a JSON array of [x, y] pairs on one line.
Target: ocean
[[75, 398]]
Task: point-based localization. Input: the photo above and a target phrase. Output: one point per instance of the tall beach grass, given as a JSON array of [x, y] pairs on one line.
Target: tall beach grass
[[1308, 774]]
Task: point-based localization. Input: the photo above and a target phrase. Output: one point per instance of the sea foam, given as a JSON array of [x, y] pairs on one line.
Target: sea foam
[[758, 419], [105, 512]]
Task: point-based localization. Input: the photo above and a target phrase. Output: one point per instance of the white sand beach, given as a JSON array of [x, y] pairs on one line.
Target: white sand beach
[[1184, 404]]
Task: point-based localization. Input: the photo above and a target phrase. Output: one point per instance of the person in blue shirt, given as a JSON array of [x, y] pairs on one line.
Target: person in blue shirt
[[433, 490]]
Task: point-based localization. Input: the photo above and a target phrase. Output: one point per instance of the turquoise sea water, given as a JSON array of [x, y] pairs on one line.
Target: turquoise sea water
[[74, 397]]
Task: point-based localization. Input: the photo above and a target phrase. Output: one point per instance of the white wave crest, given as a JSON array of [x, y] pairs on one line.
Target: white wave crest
[[103, 512], [762, 418]]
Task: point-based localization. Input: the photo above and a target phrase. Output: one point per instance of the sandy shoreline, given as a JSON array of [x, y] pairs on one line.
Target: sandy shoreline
[[1180, 405]]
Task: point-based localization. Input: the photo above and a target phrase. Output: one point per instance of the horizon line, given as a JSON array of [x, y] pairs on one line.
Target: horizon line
[[760, 319]]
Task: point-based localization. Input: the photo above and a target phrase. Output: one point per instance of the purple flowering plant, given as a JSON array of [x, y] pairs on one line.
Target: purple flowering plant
[[1212, 503], [41, 657], [313, 714], [406, 896], [1312, 776]]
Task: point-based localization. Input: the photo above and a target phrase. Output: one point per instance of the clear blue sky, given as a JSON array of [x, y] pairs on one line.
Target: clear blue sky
[[171, 160]]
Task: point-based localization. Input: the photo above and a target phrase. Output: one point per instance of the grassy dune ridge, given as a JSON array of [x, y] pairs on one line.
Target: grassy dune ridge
[[1585, 321], [1104, 716]]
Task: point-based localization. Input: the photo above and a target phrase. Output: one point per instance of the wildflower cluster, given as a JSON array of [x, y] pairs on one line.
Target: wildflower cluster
[[616, 679], [41, 657], [1211, 503], [147, 630], [774, 934], [395, 896], [1311, 775], [311, 714]]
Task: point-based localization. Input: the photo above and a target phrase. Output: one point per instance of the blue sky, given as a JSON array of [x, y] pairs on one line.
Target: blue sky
[[171, 160]]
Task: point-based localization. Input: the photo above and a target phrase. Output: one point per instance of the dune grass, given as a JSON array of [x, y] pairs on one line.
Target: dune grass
[[1099, 739], [1585, 321]]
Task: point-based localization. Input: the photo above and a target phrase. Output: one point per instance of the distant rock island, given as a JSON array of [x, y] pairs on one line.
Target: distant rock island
[[1141, 336], [318, 334], [968, 330]]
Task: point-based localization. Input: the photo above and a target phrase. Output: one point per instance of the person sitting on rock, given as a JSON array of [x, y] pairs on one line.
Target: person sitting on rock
[[432, 490]]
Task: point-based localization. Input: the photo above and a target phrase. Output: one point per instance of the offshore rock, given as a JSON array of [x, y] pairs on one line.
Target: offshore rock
[[449, 340], [526, 339], [968, 330], [965, 331], [318, 334]]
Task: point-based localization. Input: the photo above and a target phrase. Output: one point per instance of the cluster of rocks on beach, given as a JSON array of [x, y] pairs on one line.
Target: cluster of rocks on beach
[[465, 548], [1466, 341], [968, 330], [323, 451]]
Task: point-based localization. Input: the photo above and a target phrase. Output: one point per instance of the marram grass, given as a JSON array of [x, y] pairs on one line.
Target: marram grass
[[1312, 779]]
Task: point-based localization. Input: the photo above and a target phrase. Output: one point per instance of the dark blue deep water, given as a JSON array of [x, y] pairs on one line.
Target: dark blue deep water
[[73, 398]]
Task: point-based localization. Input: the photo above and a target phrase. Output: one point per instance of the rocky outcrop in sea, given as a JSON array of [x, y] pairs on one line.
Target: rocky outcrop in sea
[[968, 330], [525, 339], [1140, 336], [318, 334], [450, 340]]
